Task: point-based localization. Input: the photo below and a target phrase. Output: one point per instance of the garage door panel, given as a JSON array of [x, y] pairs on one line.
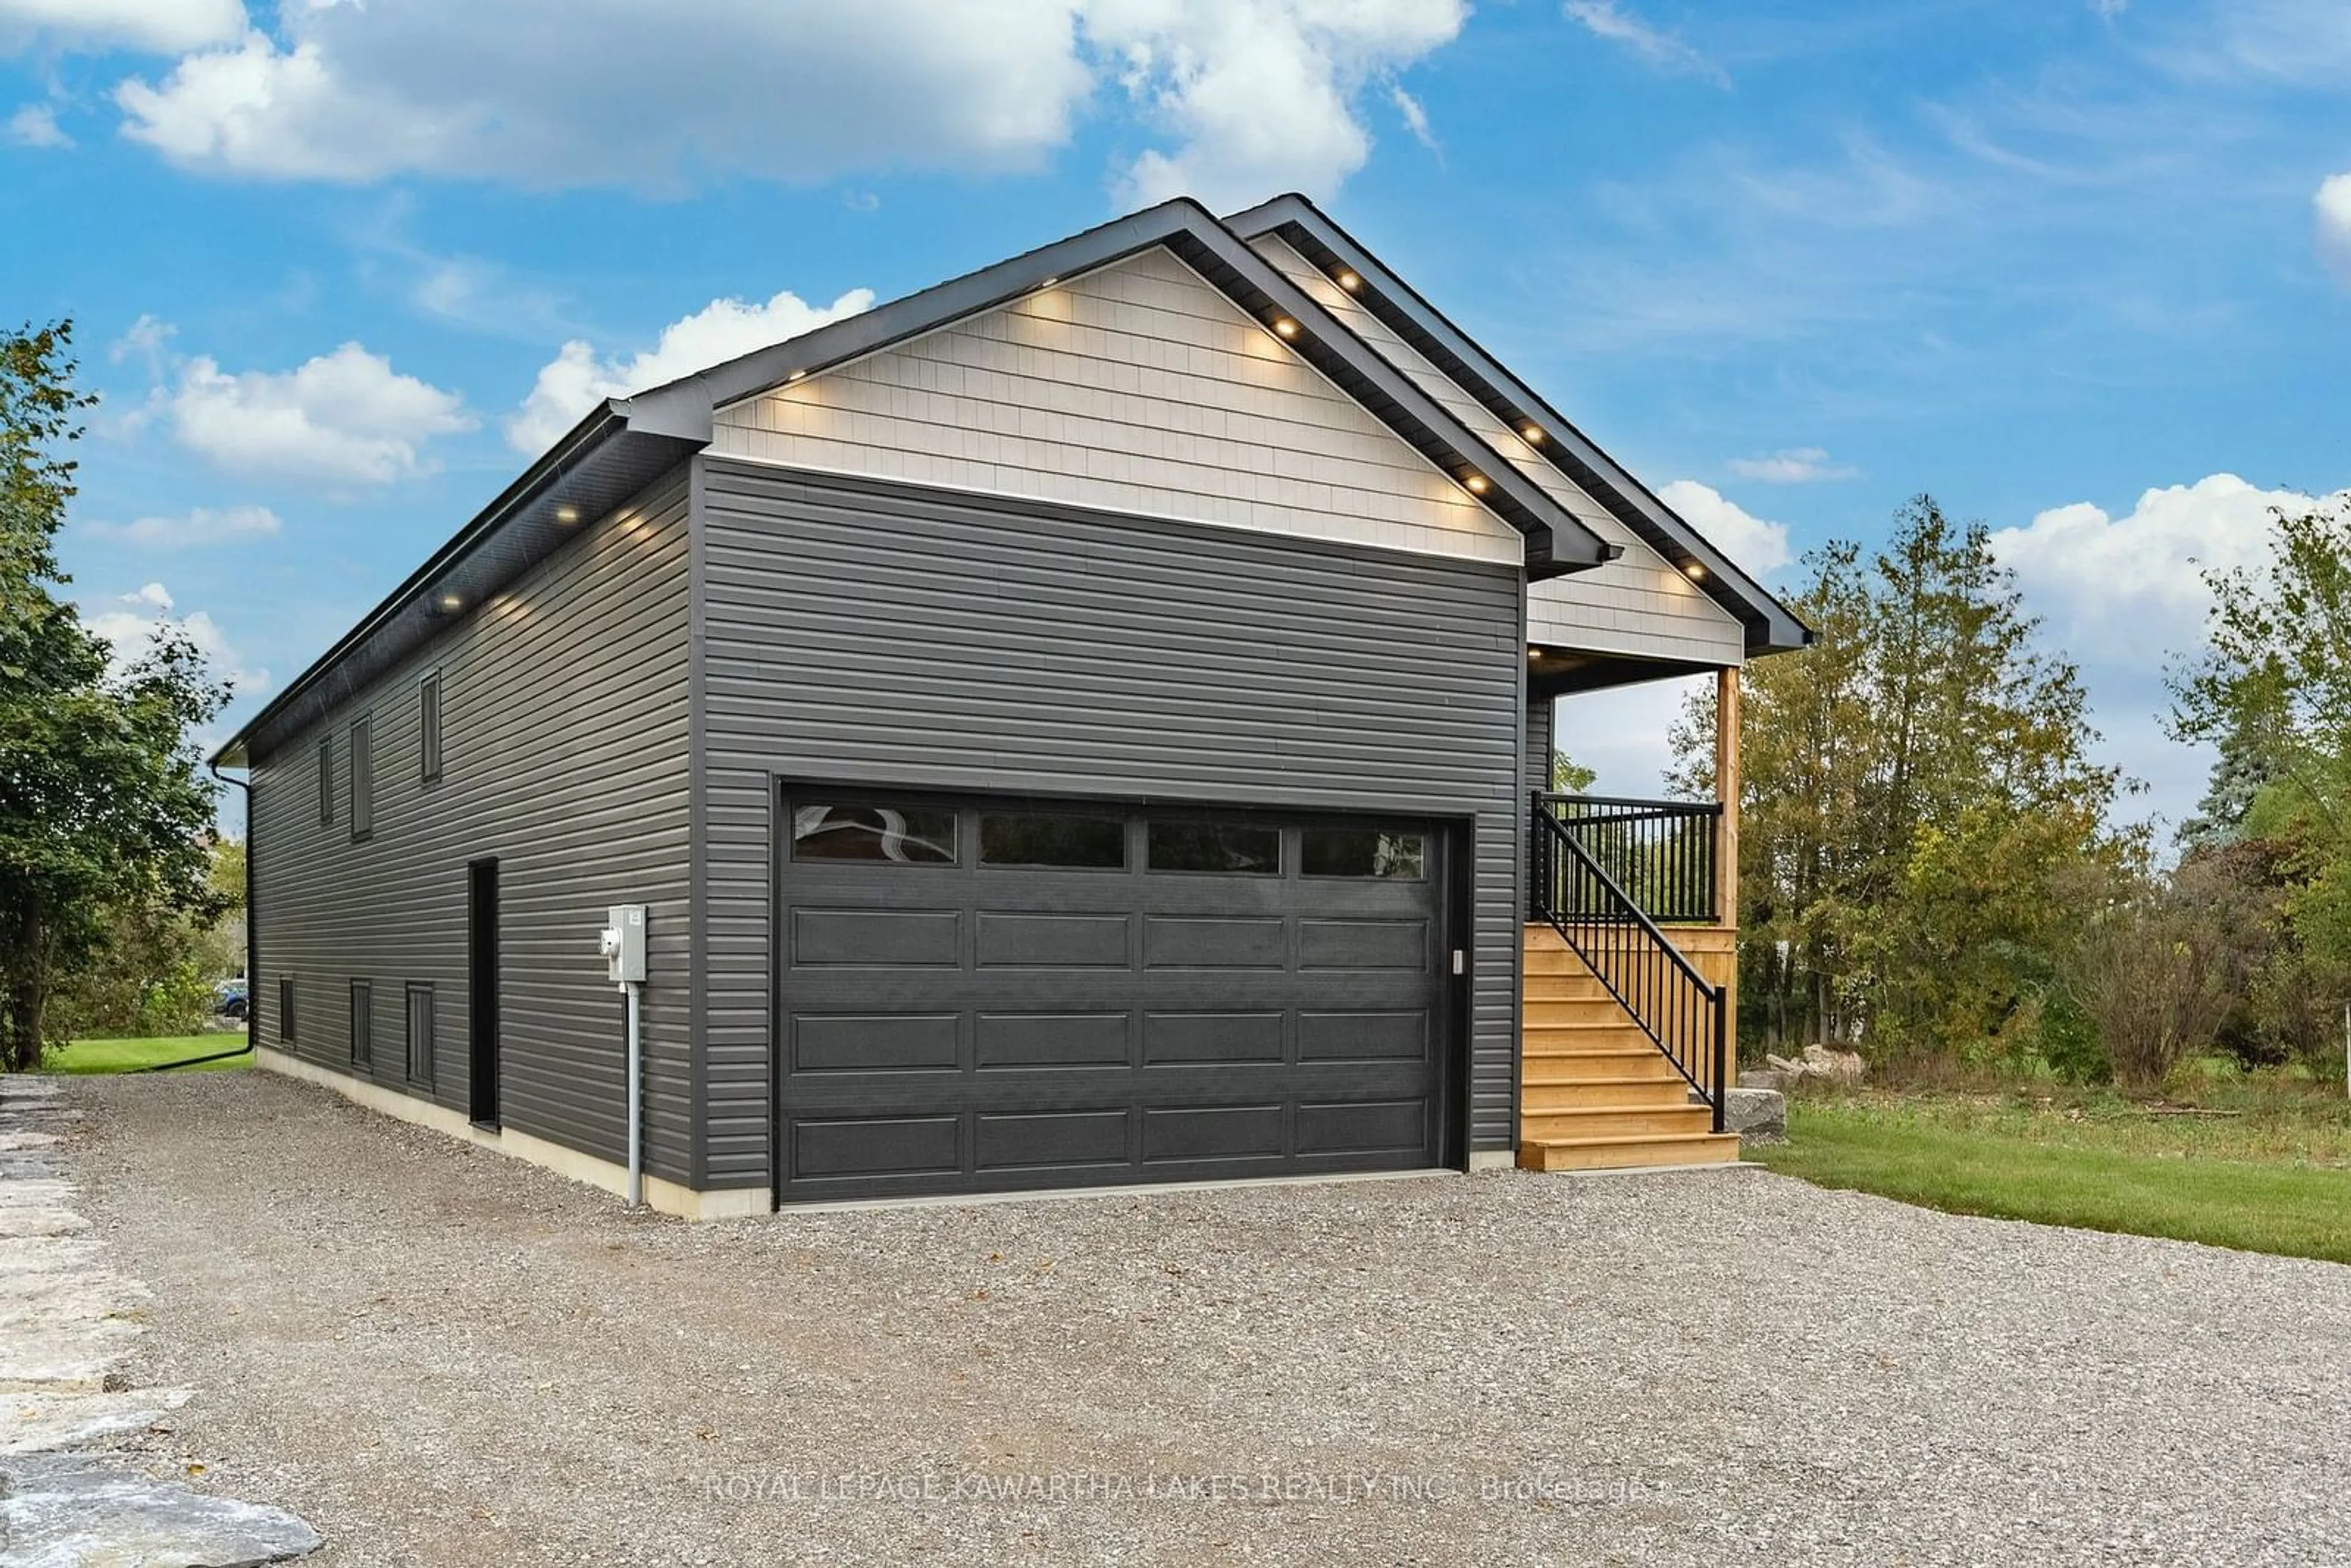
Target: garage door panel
[[1054, 1040], [877, 938], [1177, 1135], [1362, 944], [1022, 940], [1203, 942], [876, 1146], [871, 1042], [1364, 1036], [1362, 1126], [1206, 1037], [1057, 1140]]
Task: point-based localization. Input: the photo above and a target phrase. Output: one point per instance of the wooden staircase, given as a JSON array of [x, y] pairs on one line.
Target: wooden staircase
[[1595, 1092]]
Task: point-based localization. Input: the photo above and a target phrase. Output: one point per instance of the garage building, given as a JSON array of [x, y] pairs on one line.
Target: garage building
[[1072, 726]]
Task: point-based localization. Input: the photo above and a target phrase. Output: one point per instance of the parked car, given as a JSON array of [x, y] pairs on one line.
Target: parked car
[[229, 998]]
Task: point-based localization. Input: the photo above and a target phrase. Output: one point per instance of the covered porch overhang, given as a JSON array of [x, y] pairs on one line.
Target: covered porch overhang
[[1678, 858]]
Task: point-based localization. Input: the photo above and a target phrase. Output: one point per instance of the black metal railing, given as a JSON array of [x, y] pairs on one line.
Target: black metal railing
[[1660, 853], [1685, 1015]]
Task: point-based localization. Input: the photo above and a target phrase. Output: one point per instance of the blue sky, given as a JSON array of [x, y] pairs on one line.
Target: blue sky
[[2081, 269]]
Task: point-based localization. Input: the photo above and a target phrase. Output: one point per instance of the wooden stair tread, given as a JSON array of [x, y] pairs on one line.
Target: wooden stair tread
[[1612, 1139]]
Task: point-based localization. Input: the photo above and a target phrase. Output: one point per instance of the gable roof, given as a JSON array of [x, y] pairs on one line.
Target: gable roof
[[1771, 627], [1556, 541], [625, 444]]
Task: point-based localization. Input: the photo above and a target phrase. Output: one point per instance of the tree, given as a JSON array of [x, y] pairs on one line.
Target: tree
[[2240, 774], [102, 805], [2272, 691], [1916, 789], [2276, 683], [1569, 776]]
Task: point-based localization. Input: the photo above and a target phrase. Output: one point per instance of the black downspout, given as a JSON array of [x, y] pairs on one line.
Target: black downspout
[[252, 929]]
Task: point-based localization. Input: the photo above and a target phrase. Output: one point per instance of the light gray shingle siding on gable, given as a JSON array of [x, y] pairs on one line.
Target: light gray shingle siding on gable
[[1138, 388], [1638, 604], [893, 635], [564, 739]]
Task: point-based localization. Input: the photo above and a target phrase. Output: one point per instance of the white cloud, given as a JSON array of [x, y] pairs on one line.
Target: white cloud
[[2334, 204], [164, 26], [36, 125], [1756, 545], [525, 90], [2109, 9], [576, 378], [198, 525], [1415, 114], [1259, 93], [1253, 95], [1608, 19], [2131, 588], [131, 631], [344, 418], [146, 341], [1793, 465]]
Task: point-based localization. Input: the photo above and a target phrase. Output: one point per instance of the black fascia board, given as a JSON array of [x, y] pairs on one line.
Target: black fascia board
[[595, 469], [1771, 627]]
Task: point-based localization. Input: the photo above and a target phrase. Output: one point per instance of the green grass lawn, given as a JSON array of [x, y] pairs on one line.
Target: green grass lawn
[[2269, 1174], [129, 1055]]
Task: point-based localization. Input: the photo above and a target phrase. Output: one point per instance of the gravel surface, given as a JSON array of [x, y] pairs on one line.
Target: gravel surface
[[437, 1355]]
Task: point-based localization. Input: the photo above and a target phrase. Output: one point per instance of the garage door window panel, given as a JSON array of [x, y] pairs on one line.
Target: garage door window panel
[[1229, 849], [1380, 853], [1056, 840], [874, 834]]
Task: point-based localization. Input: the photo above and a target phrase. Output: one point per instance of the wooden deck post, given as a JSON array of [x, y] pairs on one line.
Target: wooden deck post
[[1726, 791], [1726, 843]]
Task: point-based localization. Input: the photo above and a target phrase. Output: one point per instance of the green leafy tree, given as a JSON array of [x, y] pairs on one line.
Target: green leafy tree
[[2272, 691], [102, 806], [1916, 790], [1569, 776]]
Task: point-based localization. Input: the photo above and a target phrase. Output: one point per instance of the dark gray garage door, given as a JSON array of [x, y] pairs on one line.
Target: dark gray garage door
[[985, 995]]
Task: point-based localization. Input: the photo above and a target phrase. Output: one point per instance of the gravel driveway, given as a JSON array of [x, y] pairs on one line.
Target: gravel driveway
[[437, 1355]]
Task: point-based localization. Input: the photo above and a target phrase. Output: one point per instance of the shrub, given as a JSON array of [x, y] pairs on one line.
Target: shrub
[[2152, 976]]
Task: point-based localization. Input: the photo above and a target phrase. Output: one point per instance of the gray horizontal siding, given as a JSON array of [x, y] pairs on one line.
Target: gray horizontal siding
[[890, 635], [564, 743]]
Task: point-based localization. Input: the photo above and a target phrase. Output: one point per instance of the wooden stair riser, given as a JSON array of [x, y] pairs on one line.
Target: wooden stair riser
[[1702, 1149], [1594, 1090], [1587, 1122], [1586, 1065], [1574, 1015], [1575, 1007]]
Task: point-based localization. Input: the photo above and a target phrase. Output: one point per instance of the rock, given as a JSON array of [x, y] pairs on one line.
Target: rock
[[64, 1511], [1818, 1061], [39, 1423], [1770, 1078], [1755, 1114], [1837, 1066]]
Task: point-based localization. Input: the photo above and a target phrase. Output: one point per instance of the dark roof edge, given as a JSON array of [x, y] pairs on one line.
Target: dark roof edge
[[1772, 627], [1557, 540], [582, 440]]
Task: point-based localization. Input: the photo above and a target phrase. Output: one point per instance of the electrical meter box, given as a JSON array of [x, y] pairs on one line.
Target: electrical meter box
[[624, 945]]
